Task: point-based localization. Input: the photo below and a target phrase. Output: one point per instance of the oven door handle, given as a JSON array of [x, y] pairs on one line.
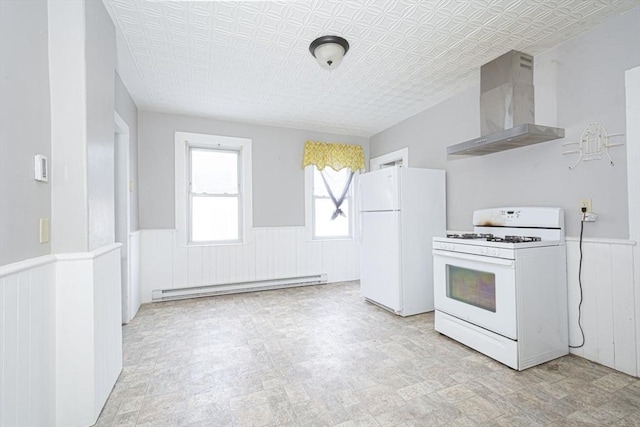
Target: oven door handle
[[478, 258]]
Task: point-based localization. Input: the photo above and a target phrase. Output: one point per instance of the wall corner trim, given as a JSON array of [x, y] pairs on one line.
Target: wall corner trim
[[16, 267]]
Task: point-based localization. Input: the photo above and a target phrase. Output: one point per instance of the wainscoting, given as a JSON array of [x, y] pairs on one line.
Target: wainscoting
[[269, 253], [134, 274], [610, 309], [27, 343], [610, 302], [61, 338], [69, 304]]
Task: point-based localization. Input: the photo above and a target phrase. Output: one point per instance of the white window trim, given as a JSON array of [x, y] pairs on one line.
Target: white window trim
[[401, 154], [308, 208], [182, 142]]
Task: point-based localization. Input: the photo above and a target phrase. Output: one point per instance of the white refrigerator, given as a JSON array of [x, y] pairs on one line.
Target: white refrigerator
[[401, 210]]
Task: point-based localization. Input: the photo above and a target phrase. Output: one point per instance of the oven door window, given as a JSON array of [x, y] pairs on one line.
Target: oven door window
[[477, 288]]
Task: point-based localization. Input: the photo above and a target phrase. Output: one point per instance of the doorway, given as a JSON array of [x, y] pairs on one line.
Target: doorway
[[395, 158]]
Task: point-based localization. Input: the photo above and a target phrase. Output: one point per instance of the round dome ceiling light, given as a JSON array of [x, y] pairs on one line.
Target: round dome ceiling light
[[329, 50]]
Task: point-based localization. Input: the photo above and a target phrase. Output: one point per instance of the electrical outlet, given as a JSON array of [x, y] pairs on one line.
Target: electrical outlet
[[584, 203]]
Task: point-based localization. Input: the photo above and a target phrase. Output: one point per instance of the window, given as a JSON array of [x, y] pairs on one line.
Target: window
[[326, 222], [214, 194], [213, 191]]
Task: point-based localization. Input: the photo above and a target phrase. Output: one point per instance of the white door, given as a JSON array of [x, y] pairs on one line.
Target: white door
[[379, 190], [478, 289], [380, 259]]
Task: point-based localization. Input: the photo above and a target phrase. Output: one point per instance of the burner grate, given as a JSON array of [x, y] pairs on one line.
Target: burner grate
[[520, 239], [471, 236], [491, 238]]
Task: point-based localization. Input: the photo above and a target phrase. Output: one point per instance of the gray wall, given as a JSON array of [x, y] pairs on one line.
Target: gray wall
[[578, 82], [127, 109], [25, 128], [100, 53], [32, 73], [278, 178], [67, 69], [82, 66]]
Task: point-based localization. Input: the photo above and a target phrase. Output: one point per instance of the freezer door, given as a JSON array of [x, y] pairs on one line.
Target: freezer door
[[379, 190], [380, 259]]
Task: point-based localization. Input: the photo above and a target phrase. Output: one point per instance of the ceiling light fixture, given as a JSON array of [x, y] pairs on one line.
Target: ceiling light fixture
[[329, 51]]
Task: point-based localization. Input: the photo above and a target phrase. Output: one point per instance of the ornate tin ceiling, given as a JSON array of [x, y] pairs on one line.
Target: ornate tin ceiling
[[249, 61]]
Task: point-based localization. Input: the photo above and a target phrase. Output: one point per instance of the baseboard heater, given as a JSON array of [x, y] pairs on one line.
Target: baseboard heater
[[236, 287]]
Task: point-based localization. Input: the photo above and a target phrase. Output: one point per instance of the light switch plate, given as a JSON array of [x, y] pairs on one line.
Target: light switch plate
[[44, 230], [41, 168]]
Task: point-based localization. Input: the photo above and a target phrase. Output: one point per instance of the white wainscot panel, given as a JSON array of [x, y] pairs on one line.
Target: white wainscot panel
[[27, 331], [270, 253], [609, 293], [156, 261], [107, 328], [60, 337], [134, 273], [88, 333]]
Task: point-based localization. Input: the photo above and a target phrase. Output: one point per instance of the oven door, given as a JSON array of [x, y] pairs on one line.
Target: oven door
[[478, 289]]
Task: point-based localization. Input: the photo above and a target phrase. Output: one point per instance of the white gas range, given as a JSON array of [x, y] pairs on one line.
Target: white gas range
[[502, 289]]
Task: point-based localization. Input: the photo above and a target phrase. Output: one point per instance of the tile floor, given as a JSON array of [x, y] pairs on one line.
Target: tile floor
[[321, 355]]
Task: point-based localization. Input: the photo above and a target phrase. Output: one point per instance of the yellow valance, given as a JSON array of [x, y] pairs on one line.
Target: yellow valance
[[335, 155]]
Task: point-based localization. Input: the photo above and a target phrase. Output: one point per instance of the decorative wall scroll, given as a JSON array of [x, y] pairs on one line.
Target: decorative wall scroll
[[593, 144]]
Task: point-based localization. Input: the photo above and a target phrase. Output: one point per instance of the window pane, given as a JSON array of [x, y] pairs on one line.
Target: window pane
[[214, 219], [214, 172], [324, 225], [337, 181]]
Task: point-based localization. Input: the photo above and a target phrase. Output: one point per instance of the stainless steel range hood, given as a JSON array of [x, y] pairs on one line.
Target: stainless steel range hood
[[515, 137], [507, 108]]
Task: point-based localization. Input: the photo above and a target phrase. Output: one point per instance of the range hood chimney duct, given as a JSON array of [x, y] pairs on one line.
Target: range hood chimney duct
[[507, 109]]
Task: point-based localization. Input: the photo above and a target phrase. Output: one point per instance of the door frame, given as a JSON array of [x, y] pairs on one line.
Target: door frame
[[632, 86], [121, 163], [389, 159]]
